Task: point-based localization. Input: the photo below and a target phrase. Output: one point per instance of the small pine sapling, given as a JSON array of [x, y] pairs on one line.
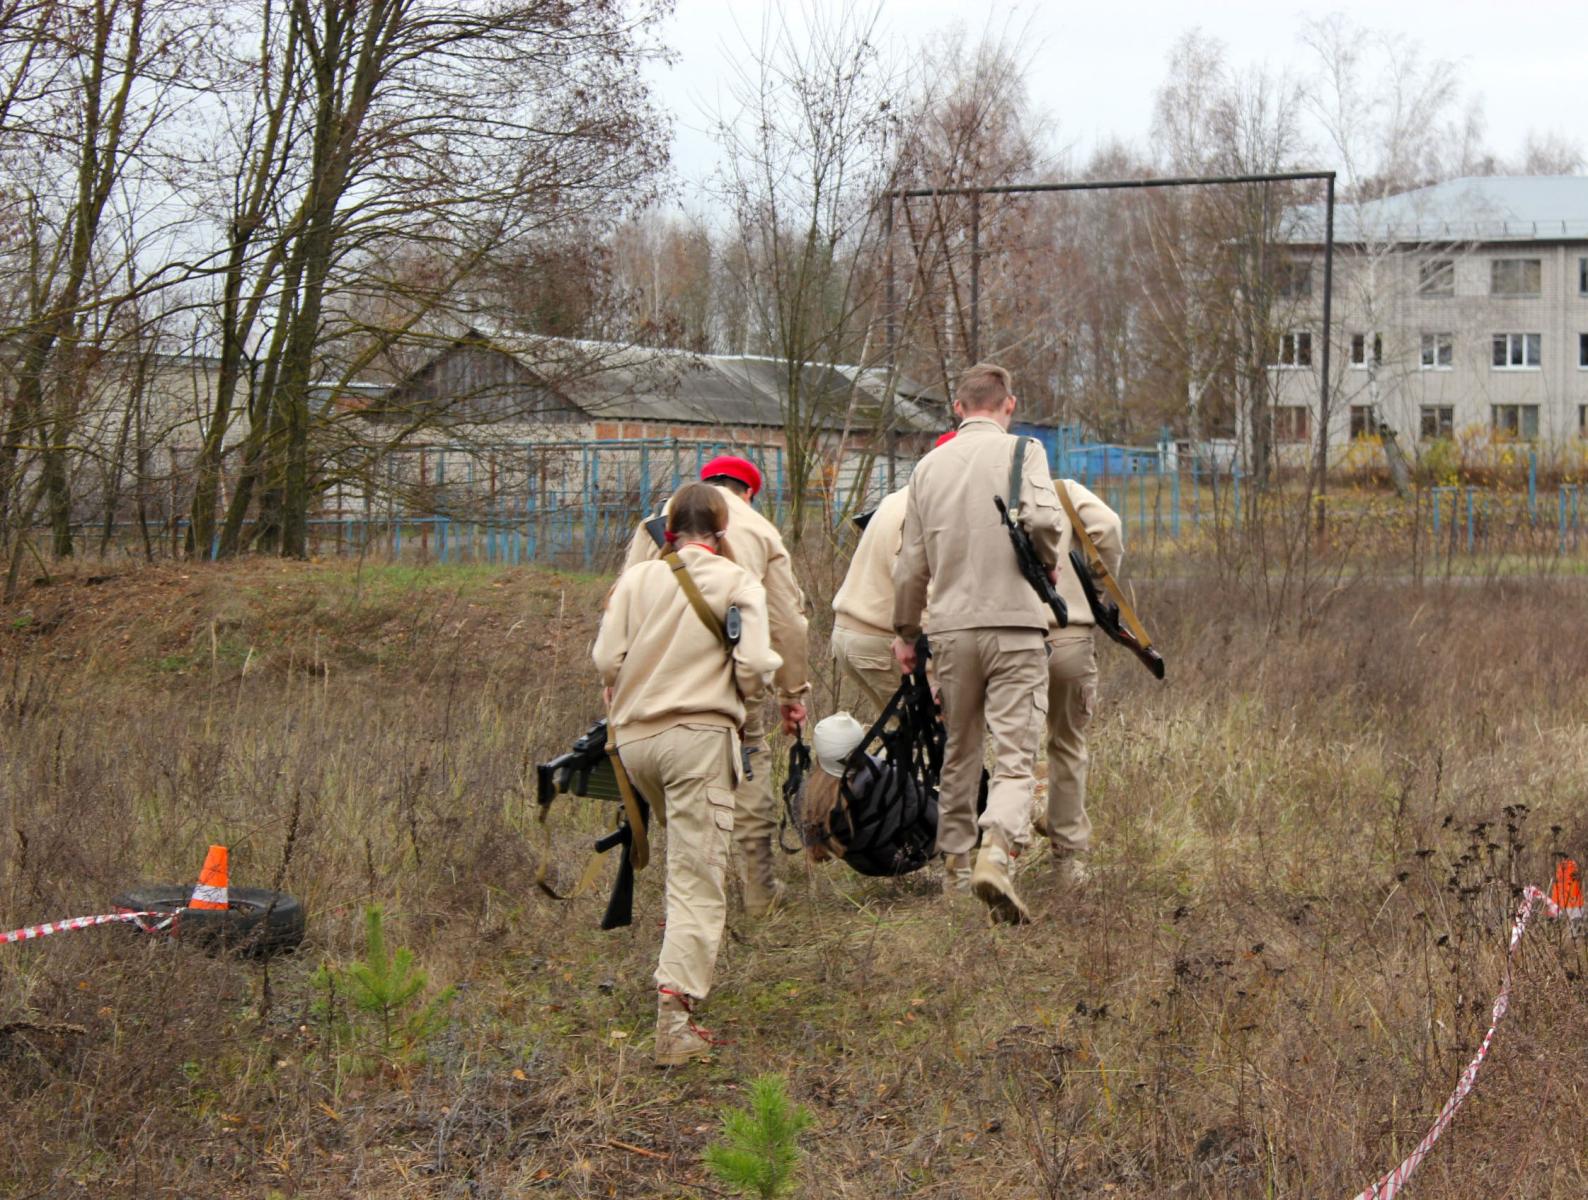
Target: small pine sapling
[[759, 1151], [385, 986]]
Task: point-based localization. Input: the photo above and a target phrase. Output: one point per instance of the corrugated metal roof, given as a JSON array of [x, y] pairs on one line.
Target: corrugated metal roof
[[1489, 208], [640, 383]]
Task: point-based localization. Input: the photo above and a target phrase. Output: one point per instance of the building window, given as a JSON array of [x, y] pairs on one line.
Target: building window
[[1515, 421], [1439, 351], [1515, 277], [1582, 276], [1582, 420], [1437, 421], [1362, 423], [1517, 351], [1436, 277], [1293, 280], [1582, 349], [1360, 346], [1292, 422], [1294, 350]]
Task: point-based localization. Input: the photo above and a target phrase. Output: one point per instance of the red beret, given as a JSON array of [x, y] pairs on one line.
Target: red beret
[[742, 469], [947, 437]]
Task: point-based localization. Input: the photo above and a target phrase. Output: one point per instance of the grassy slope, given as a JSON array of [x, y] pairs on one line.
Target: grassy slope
[[1285, 960]]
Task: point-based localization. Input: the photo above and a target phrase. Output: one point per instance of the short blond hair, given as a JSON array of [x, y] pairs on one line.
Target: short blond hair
[[983, 387]]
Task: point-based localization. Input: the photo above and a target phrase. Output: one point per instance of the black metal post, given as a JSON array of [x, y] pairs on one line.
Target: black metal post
[[975, 278], [1328, 319], [891, 338]]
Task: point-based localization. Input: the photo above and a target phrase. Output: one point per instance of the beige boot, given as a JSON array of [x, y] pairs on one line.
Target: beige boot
[[677, 1039], [763, 890], [991, 885], [956, 876], [1072, 867]]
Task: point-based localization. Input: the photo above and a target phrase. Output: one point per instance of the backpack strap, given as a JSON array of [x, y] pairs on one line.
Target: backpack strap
[[691, 590]]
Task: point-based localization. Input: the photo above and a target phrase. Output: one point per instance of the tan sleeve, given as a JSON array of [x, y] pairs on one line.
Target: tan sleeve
[[1102, 525], [612, 640], [754, 660], [789, 629], [910, 573], [1040, 511]]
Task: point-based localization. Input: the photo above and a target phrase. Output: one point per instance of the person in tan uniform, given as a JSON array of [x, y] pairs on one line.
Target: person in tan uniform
[[988, 627], [758, 548], [1072, 688], [677, 695], [862, 641]]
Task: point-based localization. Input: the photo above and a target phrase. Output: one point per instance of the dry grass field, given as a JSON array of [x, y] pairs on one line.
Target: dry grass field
[[1310, 840]]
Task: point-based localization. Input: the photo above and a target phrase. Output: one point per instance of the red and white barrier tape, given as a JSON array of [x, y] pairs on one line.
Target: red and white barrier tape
[[1390, 1185], [29, 932]]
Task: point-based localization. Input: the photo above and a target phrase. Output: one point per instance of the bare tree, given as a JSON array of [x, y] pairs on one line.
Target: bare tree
[[809, 150]]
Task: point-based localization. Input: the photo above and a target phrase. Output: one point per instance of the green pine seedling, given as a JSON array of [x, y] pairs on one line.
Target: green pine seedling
[[759, 1150], [385, 986]]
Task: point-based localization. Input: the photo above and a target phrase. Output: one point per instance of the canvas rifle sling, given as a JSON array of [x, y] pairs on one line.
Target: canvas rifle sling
[[691, 591], [1100, 569], [640, 850], [1016, 465]]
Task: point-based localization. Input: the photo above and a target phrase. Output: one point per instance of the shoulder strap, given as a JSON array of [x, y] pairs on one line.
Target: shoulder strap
[[1099, 569], [691, 591], [1016, 469]]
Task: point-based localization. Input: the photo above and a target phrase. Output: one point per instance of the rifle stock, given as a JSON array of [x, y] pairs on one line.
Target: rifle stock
[[1106, 613]]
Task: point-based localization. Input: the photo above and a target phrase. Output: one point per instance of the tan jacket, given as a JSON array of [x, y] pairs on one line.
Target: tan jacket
[[1103, 525], [664, 666], [757, 546], [864, 602], [954, 538]]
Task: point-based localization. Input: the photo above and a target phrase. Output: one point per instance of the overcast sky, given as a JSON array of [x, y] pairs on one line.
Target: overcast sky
[[1099, 64]]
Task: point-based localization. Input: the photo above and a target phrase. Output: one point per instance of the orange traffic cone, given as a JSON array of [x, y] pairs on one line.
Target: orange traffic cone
[[210, 892], [1567, 891]]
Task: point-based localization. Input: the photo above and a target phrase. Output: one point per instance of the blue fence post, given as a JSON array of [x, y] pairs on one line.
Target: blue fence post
[[1470, 490], [645, 478], [1532, 487], [440, 520], [1174, 488]]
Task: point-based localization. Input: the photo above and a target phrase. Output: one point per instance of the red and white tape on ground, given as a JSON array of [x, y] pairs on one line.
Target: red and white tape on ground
[[1390, 1185], [29, 932]]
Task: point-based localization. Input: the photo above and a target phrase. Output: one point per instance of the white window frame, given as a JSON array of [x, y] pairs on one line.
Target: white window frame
[[1358, 351], [1436, 409], [1370, 424], [1520, 435], [1306, 438], [1427, 362], [1533, 295], [1582, 276], [1288, 353], [1517, 346]]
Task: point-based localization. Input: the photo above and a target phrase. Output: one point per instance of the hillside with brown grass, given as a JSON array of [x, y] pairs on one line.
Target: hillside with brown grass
[[1310, 841]]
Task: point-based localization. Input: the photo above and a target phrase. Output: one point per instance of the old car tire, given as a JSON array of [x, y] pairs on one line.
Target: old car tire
[[255, 921]]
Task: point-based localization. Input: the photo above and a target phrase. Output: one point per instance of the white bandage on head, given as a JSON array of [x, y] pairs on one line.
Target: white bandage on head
[[834, 739]]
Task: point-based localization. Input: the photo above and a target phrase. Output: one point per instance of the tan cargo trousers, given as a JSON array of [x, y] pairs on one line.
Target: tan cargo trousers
[[691, 768], [993, 682], [1072, 696], [867, 660]]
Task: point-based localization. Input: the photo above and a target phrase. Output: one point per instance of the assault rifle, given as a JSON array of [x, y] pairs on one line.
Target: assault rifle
[[591, 769], [1106, 613], [1031, 566]]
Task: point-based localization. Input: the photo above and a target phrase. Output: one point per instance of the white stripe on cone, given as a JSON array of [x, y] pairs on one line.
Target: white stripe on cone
[[204, 891]]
